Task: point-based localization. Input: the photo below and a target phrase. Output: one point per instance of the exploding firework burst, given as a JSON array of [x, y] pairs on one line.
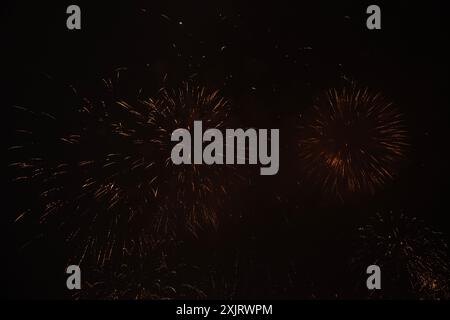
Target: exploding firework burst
[[142, 279], [104, 175], [158, 282], [352, 142], [409, 253], [203, 187], [160, 275]]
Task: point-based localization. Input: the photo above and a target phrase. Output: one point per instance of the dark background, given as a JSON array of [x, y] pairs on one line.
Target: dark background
[[279, 55]]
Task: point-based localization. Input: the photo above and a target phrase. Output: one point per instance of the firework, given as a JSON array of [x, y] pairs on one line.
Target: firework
[[152, 278], [155, 282], [161, 275], [201, 188], [410, 255], [351, 142], [104, 175]]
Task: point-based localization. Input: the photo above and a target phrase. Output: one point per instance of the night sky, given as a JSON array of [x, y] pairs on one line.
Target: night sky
[[278, 238]]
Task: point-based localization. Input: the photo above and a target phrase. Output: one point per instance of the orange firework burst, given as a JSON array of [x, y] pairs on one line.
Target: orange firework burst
[[200, 188], [103, 175], [413, 255], [351, 142]]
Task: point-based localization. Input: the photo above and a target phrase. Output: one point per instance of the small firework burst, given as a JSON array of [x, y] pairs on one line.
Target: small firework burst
[[103, 174], [157, 276], [352, 142], [141, 279], [410, 255]]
